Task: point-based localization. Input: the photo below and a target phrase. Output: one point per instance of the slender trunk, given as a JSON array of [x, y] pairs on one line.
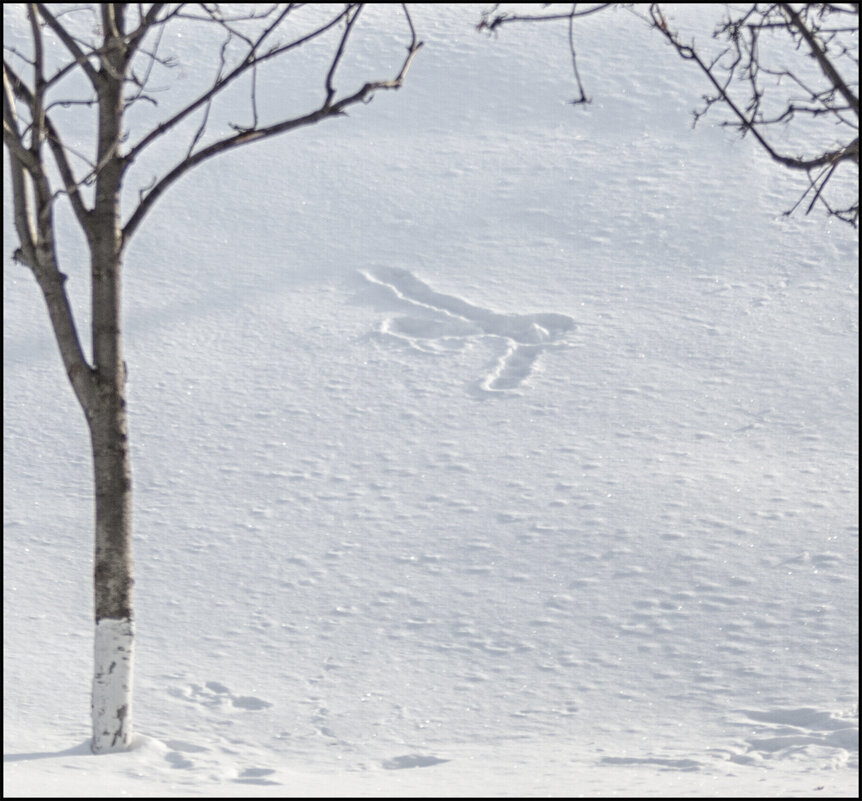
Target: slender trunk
[[113, 575], [112, 476], [106, 416]]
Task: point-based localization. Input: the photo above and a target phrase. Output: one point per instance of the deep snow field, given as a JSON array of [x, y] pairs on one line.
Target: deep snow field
[[482, 445]]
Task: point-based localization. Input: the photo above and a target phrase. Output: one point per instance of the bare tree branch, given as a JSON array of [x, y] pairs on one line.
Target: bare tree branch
[[81, 59], [750, 63], [819, 54], [251, 60], [491, 19], [350, 21], [757, 92], [20, 159], [245, 136], [34, 223], [58, 150]]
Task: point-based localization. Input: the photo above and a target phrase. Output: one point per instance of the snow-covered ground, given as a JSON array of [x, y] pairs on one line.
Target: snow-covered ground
[[483, 445]]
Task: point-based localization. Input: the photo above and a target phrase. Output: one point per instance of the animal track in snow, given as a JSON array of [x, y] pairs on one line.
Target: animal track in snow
[[203, 761], [412, 761], [256, 776], [662, 764], [215, 694], [439, 323], [791, 733]]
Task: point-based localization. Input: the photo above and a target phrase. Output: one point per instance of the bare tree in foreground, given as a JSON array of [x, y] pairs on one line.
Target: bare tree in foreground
[[107, 59], [787, 74]]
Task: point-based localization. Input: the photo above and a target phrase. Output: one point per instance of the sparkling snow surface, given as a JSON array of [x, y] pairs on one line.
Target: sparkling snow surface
[[482, 445]]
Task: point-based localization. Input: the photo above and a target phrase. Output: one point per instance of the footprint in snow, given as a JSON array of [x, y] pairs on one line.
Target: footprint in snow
[[214, 694], [412, 761], [255, 776], [799, 733], [439, 323], [660, 763]]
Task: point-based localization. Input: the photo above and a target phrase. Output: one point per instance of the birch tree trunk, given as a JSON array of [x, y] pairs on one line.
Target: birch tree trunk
[[106, 418], [100, 386], [113, 576]]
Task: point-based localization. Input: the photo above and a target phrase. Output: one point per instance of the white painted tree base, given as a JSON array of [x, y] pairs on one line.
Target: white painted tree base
[[112, 685]]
